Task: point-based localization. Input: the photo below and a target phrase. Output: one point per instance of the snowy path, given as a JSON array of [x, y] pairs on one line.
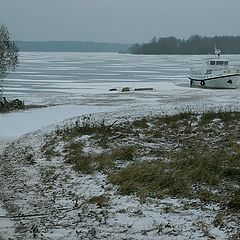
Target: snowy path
[[16, 124]]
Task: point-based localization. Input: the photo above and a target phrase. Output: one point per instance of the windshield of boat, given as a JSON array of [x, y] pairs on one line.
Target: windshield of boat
[[218, 62]]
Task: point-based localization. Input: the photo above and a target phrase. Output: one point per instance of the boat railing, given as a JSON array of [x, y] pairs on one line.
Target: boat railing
[[216, 72]]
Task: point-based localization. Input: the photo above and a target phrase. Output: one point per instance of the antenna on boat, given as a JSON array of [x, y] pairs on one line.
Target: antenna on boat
[[217, 51]]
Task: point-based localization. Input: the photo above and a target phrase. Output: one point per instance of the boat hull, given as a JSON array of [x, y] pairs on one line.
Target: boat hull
[[227, 81]]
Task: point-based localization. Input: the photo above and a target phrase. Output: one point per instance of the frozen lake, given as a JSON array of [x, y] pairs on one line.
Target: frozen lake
[[85, 78]]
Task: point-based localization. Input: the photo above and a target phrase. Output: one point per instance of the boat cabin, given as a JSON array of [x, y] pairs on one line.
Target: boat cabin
[[217, 62]]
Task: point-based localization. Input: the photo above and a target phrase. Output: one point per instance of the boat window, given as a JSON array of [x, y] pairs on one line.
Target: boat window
[[226, 63], [219, 62], [212, 62]]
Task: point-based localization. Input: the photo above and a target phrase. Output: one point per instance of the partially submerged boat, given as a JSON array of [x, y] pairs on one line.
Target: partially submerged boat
[[215, 73]]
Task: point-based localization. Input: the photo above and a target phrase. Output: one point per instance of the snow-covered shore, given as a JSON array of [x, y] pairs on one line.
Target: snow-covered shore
[[128, 214]]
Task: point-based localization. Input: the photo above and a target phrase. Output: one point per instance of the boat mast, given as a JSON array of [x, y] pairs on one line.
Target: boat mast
[[217, 51]]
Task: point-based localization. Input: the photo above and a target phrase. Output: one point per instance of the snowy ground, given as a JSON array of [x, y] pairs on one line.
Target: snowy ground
[[125, 217], [51, 197]]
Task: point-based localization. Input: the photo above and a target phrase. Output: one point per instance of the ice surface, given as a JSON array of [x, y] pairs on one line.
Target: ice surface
[[61, 78]]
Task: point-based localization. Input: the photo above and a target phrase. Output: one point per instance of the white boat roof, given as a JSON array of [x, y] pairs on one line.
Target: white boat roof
[[215, 57]]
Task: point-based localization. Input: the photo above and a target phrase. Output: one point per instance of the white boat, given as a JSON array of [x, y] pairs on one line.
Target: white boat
[[215, 73]]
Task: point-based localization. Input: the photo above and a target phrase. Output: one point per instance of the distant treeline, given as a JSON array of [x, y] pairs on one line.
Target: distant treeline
[[70, 46], [193, 45]]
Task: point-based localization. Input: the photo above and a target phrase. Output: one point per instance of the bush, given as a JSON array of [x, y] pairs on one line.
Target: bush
[[8, 106]]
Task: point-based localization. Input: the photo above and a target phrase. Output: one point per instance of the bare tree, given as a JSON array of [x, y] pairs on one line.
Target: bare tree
[[8, 55]]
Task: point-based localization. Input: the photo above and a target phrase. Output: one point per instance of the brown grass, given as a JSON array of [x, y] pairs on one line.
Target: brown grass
[[185, 155]]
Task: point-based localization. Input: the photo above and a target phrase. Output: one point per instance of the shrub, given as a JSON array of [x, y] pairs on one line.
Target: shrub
[[101, 201]]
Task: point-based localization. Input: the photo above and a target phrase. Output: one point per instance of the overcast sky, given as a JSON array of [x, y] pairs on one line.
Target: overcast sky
[[125, 21]]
